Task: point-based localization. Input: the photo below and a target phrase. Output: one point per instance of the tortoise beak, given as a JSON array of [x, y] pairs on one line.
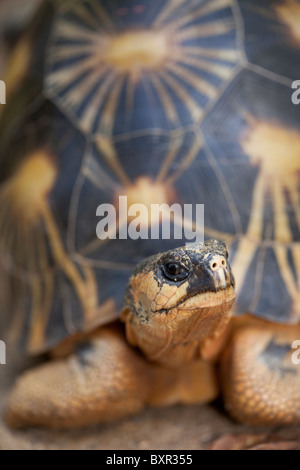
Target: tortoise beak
[[210, 274], [220, 271]]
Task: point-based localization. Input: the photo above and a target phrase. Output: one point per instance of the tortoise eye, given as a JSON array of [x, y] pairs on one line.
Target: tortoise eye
[[174, 271]]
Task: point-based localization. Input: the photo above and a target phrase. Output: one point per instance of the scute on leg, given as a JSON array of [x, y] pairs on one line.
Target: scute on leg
[[260, 382]]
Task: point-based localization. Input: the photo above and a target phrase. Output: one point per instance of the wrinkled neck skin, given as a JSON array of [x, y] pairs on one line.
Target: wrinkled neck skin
[[178, 335]]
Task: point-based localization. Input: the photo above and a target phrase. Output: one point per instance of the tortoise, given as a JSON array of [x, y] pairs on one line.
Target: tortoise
[[182, 102]]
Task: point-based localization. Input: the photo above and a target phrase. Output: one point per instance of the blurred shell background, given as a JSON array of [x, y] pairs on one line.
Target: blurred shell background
[[14, 15]]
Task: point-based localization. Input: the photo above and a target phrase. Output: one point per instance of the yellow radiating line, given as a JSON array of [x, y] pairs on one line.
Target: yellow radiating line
[[282, 229], [68, 51], [108, 151], [226, 192], [255, 226], [85, 15], [174, 148], [64, 262], [199, 83], [92, 288], [242, 261], [229, 55], [258, 279], [35, 235], [82, 89], [93, 107], [295, 196], [67, 30], [130, 90], [102, 15], [171, 6], [285, 270], [283, 234], [39, 260], [31, 251], [98, 177], [25, 250], [25, 239], [48, 297], [228, 238], [205, 30], [296, 258], [188, 159], [95, 244], [165, 98], [66, 308], [108, 114], [16, 327], [41, 250], [77, 95], [65, 77], [37, 333], [195, 111], [204, 10], [222, 71], [249, 243], [248, 117], [20, 248]]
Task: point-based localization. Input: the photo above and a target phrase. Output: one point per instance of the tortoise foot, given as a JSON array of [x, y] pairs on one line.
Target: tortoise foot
[[260, 380]]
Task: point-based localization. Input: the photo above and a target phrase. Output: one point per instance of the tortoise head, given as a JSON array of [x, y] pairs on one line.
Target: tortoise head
[[176, 301]]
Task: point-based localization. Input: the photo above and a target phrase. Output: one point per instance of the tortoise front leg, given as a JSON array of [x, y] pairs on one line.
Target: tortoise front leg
[[260, 381], [102, 380]]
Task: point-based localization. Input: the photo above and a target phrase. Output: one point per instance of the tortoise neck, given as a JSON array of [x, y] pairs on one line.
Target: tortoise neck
[[173, 340]]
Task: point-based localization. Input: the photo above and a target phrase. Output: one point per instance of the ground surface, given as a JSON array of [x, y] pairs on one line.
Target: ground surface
[[179, 427]]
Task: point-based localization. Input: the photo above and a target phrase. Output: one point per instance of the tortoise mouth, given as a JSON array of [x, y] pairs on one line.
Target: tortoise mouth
[[207, 299]]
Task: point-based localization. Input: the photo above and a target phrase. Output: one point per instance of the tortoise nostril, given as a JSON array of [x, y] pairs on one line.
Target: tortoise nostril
[[217, 263], [214, 266]]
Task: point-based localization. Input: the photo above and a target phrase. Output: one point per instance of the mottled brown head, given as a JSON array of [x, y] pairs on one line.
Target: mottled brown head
[[177, 300]]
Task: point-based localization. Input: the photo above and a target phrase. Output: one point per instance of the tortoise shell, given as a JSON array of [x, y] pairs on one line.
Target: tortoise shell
[[185, 101]]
